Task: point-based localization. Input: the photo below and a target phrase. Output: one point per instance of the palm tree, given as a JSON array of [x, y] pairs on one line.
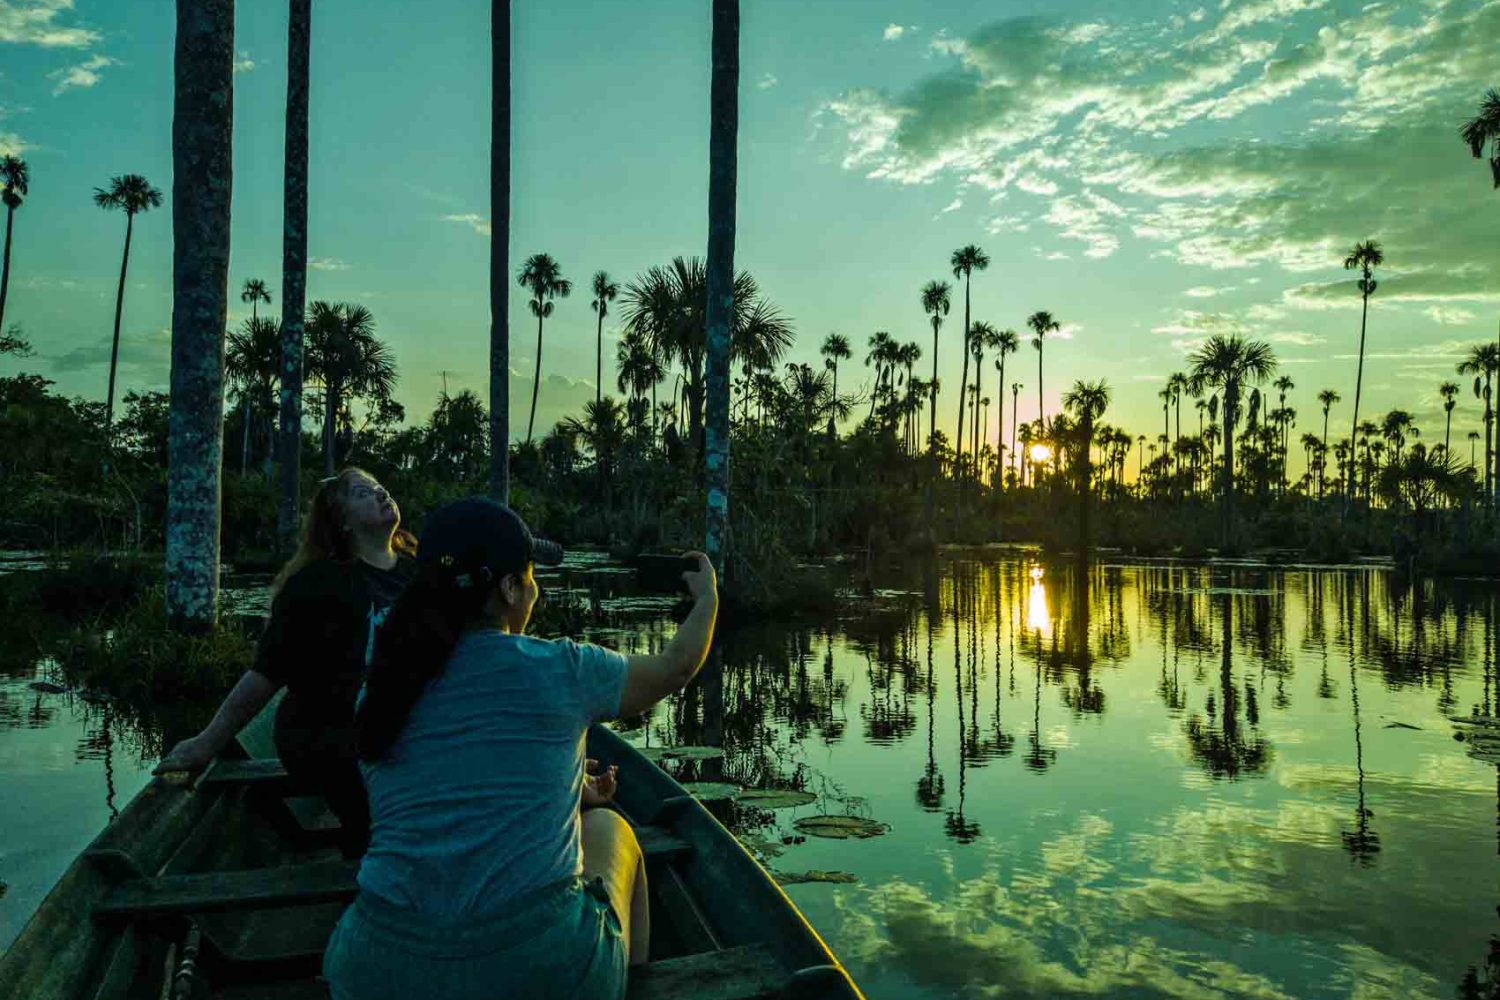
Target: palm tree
[[1367, 257], [1395, 426], [965, 261], [602, 430], [1473, 440], [604, 293], [1449, 392], [542, 276], [1228, 364], [1086, 401], [1482, 362], [499, 473], [348, 361], [668, 304], [1484, 129], [835, 349], [981, 336], [1327, 397], [293, 270], [131, 194], [251, 360], [15, 179], [1015, 405], [881, 354], [1284, 385], [202, 137], [1041, 324], [935, 303], [1005, 342], [254, 292]]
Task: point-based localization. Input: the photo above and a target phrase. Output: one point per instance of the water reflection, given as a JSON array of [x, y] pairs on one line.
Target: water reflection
[[1109, 779]]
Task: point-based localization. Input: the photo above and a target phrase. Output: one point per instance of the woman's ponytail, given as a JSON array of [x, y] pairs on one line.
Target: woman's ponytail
[[411, 650]]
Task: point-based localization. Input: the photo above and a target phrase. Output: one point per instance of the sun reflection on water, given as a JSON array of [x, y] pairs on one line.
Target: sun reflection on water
[[1037, 618]]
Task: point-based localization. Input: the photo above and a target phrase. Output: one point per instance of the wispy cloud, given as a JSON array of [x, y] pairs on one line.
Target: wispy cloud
[[1449, 315], [80, 75], [37, 22], [473, 220], [327, 264], [893, 31], [12, 144], [1207, 291], [243, 63], [766, 82]]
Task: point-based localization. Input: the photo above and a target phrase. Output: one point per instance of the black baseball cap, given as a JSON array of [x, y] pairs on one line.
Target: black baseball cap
[[476, 534]]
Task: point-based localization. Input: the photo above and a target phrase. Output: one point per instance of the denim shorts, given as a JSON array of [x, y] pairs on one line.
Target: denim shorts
[[557, 942]]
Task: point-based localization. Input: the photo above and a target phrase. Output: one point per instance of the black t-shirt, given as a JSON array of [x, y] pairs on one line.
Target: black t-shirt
[[321, 634]]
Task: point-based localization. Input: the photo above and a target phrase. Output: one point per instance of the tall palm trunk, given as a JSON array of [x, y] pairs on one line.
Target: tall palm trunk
[[1226, 468], [499, 477], [1325, 452], [1085, 482], [536, 380], [10, 221], [293, 270], [245, 436], [202, 134], [1359, 378], [1015, 406], [978, 394], [932, 467], [114, 350], [331, 401], [963, 402], [1041, 413], [1000, 426]]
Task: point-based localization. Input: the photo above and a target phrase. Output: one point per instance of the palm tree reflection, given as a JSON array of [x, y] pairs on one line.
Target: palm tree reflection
[[1217, 742], [930, 784]]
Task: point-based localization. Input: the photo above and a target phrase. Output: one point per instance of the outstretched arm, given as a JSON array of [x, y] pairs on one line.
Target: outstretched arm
[[242, 703], [651, 678]]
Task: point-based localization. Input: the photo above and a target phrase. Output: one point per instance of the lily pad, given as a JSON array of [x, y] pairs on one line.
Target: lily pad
[[658, 754], [711, 791], [761, 846], [841, 827], [814, 875], [775, 798]]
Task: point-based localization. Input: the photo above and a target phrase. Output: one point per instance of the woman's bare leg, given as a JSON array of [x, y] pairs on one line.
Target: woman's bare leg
[[610, 852]]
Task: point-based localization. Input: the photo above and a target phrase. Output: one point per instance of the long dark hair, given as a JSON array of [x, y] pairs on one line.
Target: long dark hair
[[413, 647], [325, 535]]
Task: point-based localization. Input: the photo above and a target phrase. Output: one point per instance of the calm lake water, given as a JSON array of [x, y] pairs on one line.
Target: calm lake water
[[1150, 780]]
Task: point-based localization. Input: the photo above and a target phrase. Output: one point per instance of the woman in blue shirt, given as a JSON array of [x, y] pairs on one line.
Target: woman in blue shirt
[[483, 878]]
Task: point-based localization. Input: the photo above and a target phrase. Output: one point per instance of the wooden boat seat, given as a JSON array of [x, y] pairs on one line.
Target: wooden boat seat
[[256, 888], [745, 973]]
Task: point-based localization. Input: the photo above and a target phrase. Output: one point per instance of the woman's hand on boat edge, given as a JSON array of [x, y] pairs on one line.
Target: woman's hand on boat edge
[[191, 755]]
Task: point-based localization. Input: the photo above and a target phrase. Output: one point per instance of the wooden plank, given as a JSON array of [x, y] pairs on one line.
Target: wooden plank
[[682, 912], [279, 936], [744, 973], [659, 844], [293, 989], [265, 772], [320, 882]]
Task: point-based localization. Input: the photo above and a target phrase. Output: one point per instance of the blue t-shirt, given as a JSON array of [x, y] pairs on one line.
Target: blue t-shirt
[[477, 801]]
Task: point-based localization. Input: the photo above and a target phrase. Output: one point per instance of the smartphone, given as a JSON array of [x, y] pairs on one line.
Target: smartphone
[[662, 572]]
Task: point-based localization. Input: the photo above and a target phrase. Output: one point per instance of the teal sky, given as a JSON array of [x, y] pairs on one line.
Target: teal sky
[[1150, 173]]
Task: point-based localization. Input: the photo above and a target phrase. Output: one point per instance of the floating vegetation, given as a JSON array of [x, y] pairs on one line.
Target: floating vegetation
[[841, 827], [814, 875], [764, 848], [658, 754], [775, 798], [711, 791]]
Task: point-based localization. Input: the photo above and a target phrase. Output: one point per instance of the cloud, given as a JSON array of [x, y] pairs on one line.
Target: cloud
[[952, 206], [145, 354], [12, 144], [1449, 315], [473, 220], [893, 31], [1207, 291], [84, 74], [35, 22], [243, 63], [1363, 142], [327, 264], [766, 82]]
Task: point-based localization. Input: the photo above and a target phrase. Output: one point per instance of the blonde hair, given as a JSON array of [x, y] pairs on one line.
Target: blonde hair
[[325, 535]]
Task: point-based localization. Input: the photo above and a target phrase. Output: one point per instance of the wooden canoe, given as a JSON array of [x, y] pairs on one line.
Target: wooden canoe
[[229, 886]]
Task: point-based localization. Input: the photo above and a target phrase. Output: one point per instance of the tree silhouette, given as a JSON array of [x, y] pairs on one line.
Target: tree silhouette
[[1366, 257], [14, 186], [131, 194]]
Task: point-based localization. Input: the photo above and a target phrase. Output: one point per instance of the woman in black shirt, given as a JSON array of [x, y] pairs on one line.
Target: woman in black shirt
[[327, 602]]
